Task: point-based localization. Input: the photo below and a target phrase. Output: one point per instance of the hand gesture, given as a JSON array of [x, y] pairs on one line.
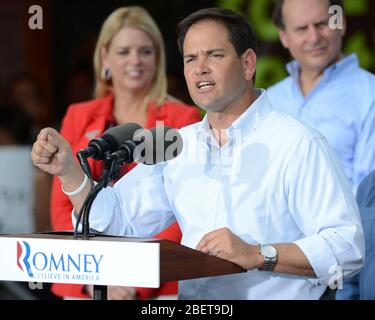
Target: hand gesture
[[52, 153]]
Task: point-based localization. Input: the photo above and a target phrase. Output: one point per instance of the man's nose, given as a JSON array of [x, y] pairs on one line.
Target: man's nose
[[202, 66], [313, 35]]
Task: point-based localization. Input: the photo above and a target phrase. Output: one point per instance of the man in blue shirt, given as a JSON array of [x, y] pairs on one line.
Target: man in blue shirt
[[326, 90], [361, 286]]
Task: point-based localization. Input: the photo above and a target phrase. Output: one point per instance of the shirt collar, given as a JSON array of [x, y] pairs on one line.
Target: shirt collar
[[348, 62], [247, 122]]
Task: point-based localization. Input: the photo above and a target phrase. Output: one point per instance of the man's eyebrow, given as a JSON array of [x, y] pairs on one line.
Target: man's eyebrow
[[207, 52], [303, 26], [214, 50], [189, 56], [323, 21], [300, 26]]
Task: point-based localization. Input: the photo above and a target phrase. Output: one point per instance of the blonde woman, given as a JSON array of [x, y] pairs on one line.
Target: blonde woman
[[131, 86]]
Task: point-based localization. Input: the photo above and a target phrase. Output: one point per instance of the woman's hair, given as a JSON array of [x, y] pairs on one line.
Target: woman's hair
[[138, 18]]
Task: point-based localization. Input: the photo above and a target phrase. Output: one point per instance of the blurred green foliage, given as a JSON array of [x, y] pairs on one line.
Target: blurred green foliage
[[360, 39]]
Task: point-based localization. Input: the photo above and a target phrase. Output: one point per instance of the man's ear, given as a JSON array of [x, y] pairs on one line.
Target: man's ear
[[249, 62], [283, 38]]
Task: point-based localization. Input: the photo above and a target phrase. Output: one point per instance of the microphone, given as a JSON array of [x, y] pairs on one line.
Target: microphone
[[109, 142], [150, 146], [145, 146]]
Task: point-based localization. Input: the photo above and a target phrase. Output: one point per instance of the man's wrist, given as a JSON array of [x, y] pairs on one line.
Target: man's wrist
[[259, 258], [77, 191], [73, 180], [255, 260]]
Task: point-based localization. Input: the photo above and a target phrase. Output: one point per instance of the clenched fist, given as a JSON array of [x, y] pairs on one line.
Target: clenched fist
[[52, 153]]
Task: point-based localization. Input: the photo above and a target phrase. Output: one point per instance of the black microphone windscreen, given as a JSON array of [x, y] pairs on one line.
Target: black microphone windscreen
[[121, 133]]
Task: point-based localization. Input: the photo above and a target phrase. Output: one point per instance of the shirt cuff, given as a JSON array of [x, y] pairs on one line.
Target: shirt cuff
[[321, 258]]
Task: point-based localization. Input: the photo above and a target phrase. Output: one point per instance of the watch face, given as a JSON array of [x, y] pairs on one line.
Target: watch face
[[268, 251]]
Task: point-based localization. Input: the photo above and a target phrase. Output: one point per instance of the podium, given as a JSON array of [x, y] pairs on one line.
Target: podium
[[104, 260]]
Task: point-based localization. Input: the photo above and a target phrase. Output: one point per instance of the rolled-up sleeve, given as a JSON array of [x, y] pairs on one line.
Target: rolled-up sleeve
[[324, 208]]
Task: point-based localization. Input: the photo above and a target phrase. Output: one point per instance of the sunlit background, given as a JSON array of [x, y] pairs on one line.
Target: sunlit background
[[59, 57]]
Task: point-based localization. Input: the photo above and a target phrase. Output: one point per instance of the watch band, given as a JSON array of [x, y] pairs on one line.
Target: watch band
[[269, 264]]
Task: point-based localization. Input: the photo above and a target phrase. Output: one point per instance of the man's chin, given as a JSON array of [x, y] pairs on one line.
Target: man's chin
[[209, 107], [321, 62]]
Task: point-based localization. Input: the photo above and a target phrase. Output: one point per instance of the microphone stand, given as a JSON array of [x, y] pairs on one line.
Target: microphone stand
[[111, 171]]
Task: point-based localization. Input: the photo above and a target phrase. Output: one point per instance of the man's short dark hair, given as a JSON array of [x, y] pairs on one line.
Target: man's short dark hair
[[277, 15], [241, 35]]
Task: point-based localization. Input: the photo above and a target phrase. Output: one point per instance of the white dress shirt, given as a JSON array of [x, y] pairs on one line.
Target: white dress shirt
[[275, 181]]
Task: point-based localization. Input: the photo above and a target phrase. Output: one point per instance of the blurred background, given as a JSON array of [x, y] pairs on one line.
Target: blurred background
[[57, 60]]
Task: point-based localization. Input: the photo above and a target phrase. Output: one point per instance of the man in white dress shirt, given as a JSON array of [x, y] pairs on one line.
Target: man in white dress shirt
[[245, 187]]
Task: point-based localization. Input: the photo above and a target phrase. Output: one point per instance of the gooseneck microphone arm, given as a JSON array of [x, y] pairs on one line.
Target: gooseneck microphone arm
[[99, 149], [82, 157], [111, 171]]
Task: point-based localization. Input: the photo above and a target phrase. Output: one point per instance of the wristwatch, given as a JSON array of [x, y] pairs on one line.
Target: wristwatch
[[269, 254]]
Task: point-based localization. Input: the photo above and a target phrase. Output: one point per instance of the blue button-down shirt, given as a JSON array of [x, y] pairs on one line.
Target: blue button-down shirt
[[262, 185], [341, 107], [362, 286]]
